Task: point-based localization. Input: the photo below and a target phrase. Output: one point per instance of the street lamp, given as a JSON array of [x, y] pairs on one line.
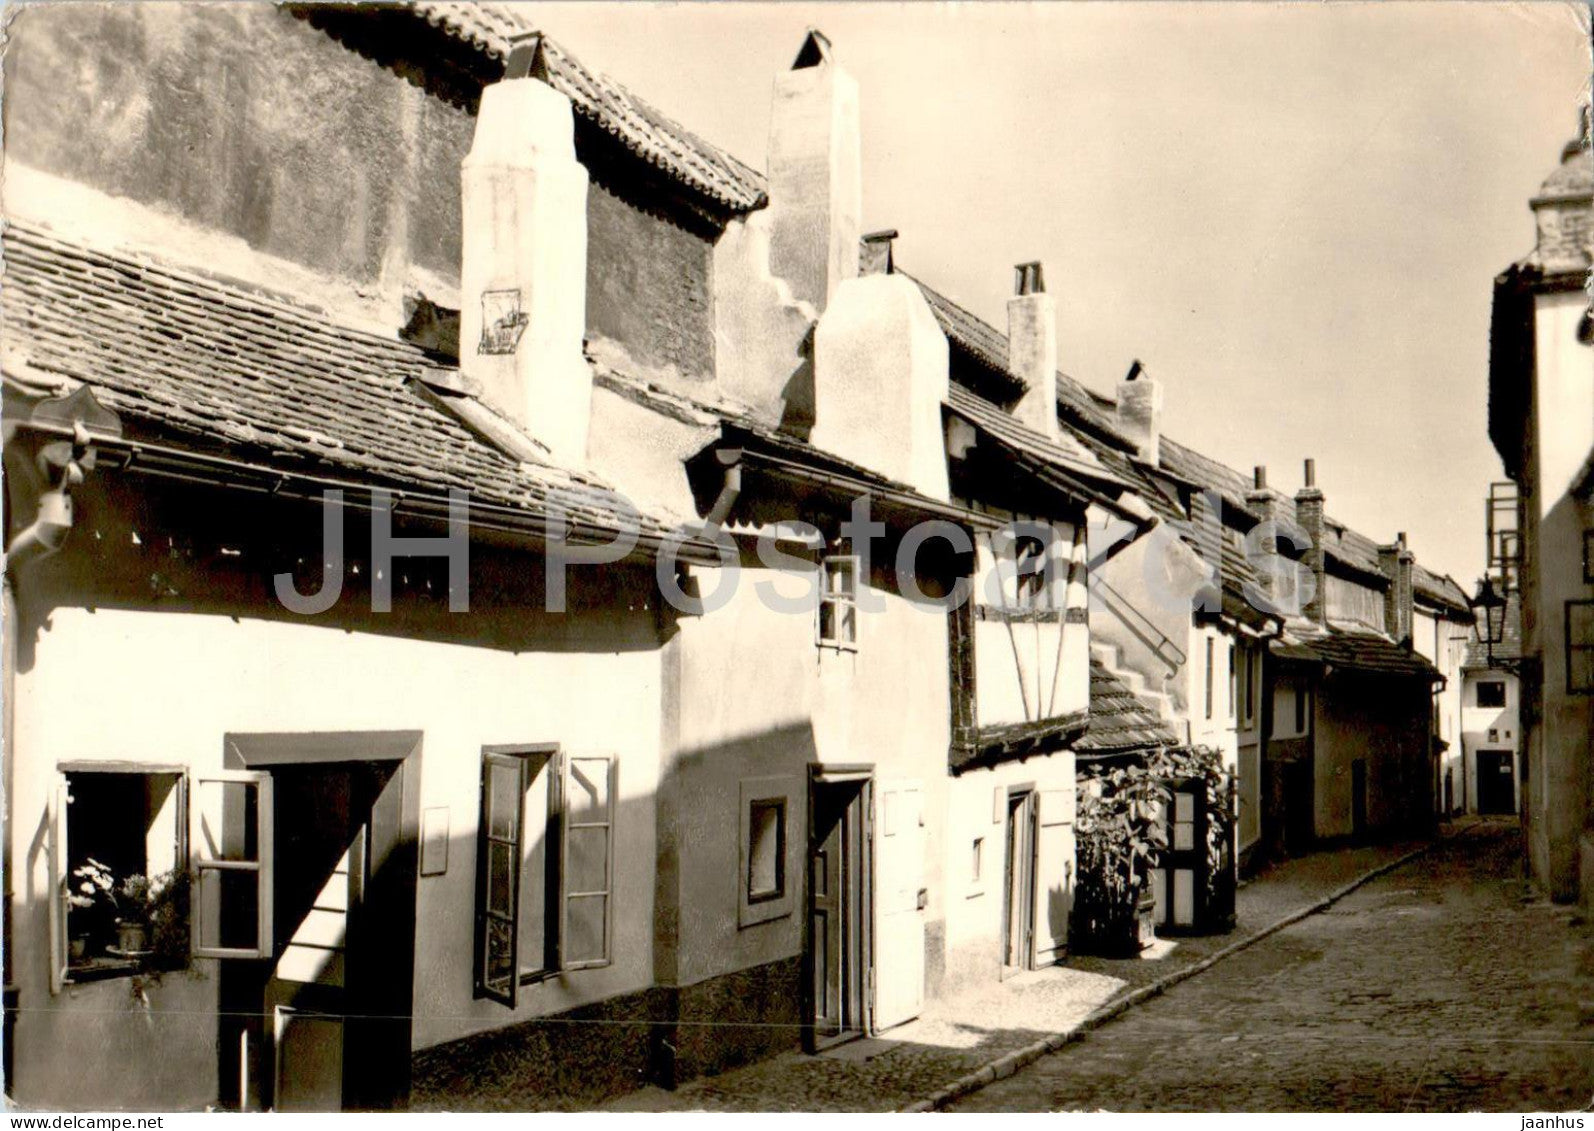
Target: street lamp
[[1493, 606]]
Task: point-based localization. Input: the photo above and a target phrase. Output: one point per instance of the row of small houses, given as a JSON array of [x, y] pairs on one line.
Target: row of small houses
[[482, 561]]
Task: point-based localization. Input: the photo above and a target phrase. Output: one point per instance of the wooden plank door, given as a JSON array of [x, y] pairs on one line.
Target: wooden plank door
[[898, 961], [1054, 874], [839, 926]]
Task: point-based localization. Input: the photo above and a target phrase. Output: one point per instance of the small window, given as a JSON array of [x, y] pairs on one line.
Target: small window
[[1029, 573], [1302, 707], [1211, 675], [1588, 557], [977, 860], [766, 850], [1250, 664], [1234, 677], [545, 855], [838, 603], [1494, 734], [119, 844], [1491, 693], [1580, 647]]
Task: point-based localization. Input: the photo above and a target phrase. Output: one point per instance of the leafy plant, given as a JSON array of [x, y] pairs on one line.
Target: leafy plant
[[159, 902], [1122, 833]]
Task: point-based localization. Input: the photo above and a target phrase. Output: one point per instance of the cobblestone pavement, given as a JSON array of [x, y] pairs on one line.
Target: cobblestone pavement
[[963, 1034], [1444, 985]]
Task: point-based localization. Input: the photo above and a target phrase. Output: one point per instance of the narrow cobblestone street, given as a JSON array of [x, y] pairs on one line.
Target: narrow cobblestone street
[[1444, 985]]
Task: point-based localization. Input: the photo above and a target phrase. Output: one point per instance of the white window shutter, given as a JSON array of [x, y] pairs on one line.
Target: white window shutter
[[586, 932], [231, 841]]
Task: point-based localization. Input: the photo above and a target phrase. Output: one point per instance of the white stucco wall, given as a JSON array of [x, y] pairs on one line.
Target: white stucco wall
[[168, 686]]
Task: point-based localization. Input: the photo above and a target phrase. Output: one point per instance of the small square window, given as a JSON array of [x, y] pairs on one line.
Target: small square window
[[766, 850], [1491, 693], [838, 603], [1580, 647]]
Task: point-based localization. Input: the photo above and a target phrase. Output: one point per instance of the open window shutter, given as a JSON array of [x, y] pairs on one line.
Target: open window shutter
[[231, 832], [500, 838], [590, 788], [58, 885]]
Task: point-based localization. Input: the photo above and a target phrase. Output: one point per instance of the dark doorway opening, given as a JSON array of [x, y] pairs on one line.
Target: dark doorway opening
[[1496, 782]]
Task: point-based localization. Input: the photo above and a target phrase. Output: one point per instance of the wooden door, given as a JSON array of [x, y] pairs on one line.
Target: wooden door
[[1183, 876], [1018, 943], [900, 898], [838, 923]]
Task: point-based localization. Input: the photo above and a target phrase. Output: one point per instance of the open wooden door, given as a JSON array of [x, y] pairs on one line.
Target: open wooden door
[[1018, 926], [1054, 874], [838, 944], [900, 899]]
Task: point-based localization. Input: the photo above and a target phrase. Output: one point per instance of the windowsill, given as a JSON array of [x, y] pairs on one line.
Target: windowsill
[[828, 646], [101, 969], [765, 897], [537, 977]]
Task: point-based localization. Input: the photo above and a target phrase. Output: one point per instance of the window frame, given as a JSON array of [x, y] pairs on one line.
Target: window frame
[[263, 866], [59, 860], [1211, 675], [1572, 687], [779, 807], [838, 601], [529, 760], [1477, 695]]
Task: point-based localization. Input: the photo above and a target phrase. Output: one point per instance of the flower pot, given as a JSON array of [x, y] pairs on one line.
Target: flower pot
[[79, 948], [131, 938]]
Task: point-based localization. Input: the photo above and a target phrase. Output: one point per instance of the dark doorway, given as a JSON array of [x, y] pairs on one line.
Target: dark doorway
[[1358, 798], [1018, 921], [1299, 818], [1496, 782], [838, 951]]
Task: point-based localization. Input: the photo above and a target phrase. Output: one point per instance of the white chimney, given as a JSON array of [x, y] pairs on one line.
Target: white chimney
[[880, 379], [815, 175], [523, 279], [1032, 349], [1140, 412]]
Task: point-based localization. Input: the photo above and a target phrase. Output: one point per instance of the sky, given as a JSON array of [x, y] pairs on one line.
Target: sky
[[1292, 213]]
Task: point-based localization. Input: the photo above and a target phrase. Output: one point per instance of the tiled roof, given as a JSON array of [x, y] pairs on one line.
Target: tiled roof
[[1353, 649], [699, 165], [1064, 452], [218, 367], [1119, 721], [1091, 417]]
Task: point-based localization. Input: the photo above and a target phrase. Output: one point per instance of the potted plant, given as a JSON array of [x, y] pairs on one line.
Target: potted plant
[[137, 902]]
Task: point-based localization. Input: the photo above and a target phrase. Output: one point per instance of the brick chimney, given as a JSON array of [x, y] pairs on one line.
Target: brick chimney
[[815, 175], [523, 278], [1309, 517], [1032, 349], [1140, 412], [1272, 509], [880, 379], [1396, 561]]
